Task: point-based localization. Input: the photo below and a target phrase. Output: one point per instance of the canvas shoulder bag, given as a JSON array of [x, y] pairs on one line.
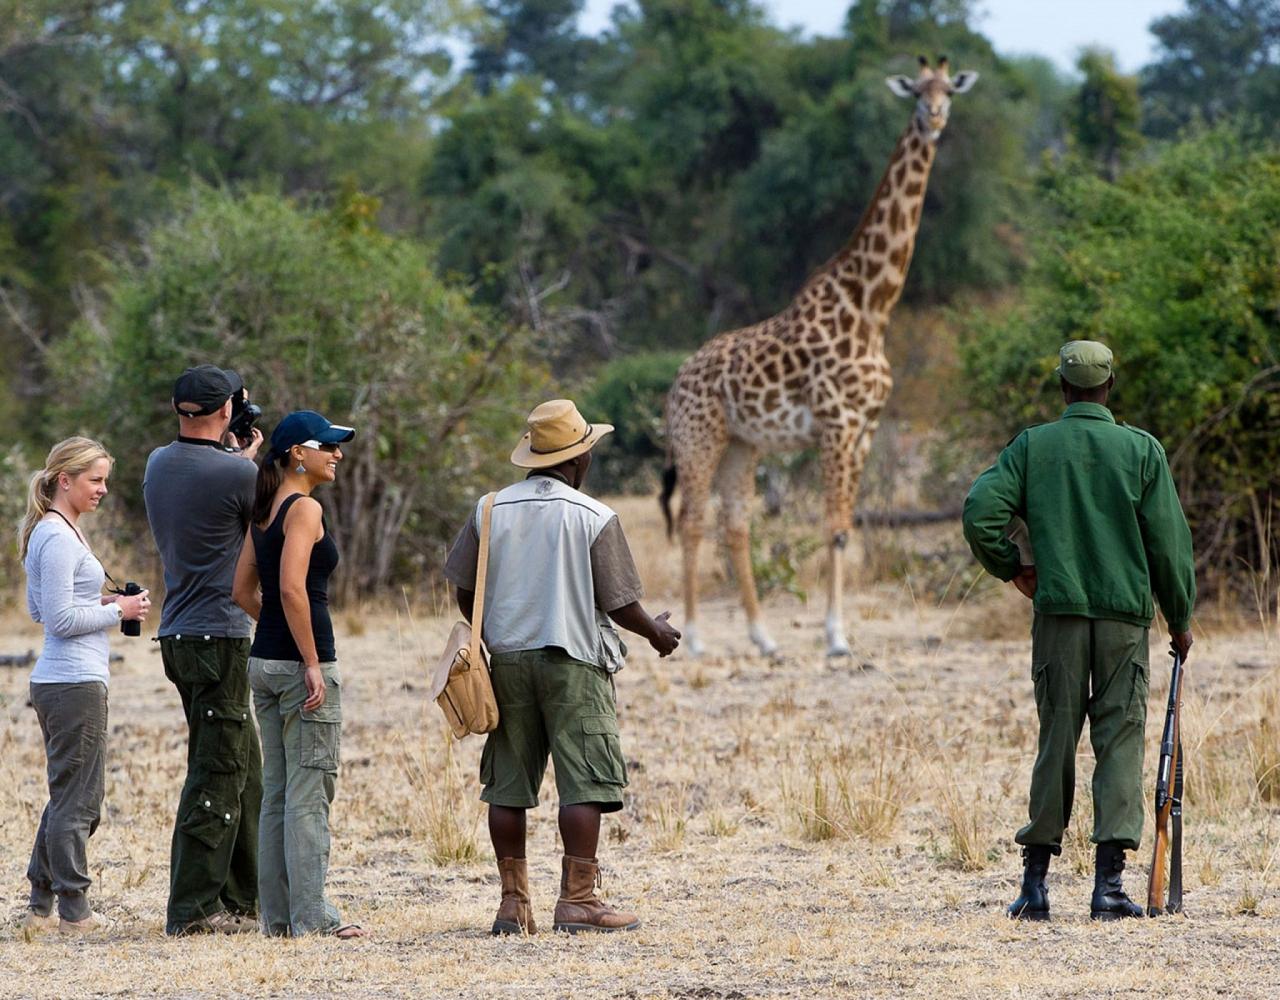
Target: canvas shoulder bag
[[460, 683]]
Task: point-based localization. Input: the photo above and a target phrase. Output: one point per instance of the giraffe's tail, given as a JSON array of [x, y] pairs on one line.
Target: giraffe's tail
[[668, 487]]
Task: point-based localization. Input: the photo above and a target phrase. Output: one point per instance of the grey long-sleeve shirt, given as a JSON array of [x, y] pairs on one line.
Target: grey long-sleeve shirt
[[64, 594]]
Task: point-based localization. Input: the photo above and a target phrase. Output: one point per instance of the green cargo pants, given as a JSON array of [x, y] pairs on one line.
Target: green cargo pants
[[1096, 668], [213, 862]]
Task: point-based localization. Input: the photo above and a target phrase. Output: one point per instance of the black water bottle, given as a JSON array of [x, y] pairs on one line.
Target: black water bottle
[[133, 627]]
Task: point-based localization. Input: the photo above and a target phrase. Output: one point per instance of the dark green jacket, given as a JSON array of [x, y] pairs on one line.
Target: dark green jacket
[[1103, 515]]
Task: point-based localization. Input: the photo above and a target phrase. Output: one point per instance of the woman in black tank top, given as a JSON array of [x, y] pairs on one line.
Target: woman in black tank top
[[282, 580]]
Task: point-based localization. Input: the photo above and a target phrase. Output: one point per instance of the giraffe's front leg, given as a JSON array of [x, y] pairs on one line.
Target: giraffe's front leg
[[837, 642], [844, 450]]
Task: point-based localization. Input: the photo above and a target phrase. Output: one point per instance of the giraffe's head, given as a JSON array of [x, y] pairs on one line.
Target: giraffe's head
[[932, 90]]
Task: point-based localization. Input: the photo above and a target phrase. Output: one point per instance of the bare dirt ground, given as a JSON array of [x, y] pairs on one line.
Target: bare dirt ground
[[794, 828]]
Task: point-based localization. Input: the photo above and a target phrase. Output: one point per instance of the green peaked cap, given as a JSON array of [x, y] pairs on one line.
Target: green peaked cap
[[1084, 363]]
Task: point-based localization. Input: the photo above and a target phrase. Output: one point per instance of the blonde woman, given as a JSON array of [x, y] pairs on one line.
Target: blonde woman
[[69, 682]]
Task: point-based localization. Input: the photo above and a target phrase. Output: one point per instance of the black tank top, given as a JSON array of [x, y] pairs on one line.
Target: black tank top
[[273, 640]]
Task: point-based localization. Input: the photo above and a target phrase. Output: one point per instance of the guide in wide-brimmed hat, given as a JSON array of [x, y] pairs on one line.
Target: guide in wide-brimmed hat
[[557, 432]]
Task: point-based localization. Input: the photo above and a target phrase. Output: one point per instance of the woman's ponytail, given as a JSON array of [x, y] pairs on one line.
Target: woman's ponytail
[[39, 500], [270, 475]]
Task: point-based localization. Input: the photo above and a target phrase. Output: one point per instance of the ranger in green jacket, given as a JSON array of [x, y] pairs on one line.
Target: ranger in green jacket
[[1106, 529]]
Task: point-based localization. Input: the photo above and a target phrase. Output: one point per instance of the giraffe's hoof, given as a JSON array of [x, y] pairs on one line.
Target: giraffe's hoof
[[842, 652], [763, 641], [692, 644]]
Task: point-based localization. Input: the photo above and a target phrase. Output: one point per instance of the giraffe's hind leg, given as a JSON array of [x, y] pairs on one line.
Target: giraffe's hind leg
[[735, 482]]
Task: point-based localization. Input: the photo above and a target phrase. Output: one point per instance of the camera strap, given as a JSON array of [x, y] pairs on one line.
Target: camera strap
[[115, 588]]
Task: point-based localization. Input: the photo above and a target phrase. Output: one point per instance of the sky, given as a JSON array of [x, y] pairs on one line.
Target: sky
[[1054, 28]]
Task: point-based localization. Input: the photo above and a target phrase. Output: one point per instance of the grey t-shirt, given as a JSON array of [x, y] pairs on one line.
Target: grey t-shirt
[[199, 499]]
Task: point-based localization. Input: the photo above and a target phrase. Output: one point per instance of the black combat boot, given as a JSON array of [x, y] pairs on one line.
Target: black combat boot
[[1109, 900], [1033, 904]]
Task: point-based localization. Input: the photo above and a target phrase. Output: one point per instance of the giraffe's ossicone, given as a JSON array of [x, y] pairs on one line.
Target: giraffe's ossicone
[[814, 374]]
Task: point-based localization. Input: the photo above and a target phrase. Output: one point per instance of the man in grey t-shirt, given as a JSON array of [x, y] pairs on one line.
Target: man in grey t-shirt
[[199, 497]]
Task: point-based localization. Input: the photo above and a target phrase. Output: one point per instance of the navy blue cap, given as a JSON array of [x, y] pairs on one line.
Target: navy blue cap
[[302, 426]]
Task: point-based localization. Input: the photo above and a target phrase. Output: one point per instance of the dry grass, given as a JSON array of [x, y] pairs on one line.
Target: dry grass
[[800, 828]]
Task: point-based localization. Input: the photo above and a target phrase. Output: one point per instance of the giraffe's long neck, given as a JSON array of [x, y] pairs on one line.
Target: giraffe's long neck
[[869, 272]]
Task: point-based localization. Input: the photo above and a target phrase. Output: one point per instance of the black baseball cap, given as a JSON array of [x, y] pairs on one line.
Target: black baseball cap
[[302, 426], [203, 389]]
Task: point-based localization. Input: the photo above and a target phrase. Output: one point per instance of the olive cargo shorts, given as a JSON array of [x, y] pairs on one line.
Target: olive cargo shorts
[[550, 703], [1095, 668]]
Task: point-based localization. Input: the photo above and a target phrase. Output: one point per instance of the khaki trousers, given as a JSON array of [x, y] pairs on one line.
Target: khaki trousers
[[299, 776]]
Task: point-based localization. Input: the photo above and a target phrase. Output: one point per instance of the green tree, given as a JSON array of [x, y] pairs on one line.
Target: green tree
[[631, 394], [1177, 267], [1217, 59], [800, 201], [707, 162], [316, 310], [1104, 125], [533, 37], [108, 109]]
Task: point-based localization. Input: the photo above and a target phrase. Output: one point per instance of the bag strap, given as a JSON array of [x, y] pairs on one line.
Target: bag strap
[[482, 571]]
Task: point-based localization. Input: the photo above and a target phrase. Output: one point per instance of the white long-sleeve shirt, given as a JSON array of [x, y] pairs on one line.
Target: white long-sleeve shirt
[[64, 593]]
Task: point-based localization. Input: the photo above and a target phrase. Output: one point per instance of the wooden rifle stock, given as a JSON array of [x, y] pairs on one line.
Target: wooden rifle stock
[[1168, 845]]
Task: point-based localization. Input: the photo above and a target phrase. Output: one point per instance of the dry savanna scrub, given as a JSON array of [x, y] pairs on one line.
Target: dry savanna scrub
[[793, 828]]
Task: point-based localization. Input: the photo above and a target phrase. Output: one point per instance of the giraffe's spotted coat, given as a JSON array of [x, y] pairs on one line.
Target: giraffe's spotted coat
[[814, 374]]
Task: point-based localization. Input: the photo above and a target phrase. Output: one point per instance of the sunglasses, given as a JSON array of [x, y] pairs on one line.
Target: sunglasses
[[327, 446]]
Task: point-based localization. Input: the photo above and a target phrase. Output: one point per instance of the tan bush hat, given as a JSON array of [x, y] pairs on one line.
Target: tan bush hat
[[557, 432]]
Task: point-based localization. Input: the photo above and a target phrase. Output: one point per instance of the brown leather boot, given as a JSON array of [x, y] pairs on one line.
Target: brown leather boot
[[515, 915], [579, 908]]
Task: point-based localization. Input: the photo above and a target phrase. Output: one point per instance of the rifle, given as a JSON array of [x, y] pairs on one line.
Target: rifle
[[1168, 806]]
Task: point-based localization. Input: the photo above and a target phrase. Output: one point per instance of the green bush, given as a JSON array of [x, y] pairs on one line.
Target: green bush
[[1177, 267], [15, 468], [317, 310], [631, 393]]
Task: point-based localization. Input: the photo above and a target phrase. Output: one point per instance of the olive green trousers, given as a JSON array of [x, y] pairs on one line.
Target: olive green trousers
[[1097, 669], [213, 862]]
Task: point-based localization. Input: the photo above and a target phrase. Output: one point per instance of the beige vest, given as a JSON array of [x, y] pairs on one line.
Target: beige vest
[[540, 590]]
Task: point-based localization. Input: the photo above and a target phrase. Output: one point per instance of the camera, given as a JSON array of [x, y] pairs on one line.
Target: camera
[[243, 415], [133, 628]]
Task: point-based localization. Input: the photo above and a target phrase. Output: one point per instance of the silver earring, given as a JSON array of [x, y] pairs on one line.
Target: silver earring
[[300, 469]]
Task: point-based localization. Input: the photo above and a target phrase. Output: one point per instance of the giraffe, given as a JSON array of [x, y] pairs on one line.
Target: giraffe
[[815, 373]]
